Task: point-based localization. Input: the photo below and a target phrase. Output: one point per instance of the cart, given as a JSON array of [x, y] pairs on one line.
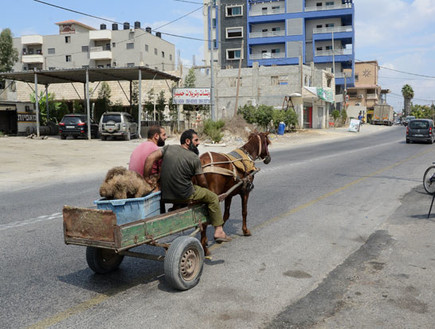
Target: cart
[[108, 237]]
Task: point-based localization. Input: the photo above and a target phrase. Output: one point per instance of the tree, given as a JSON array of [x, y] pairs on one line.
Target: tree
[[56, 109], [189, 82], [408, 95], [103, 103], [160, 106], [8, 54]]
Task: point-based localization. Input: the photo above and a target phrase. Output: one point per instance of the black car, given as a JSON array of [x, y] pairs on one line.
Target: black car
[[75, 125], [420, 130]]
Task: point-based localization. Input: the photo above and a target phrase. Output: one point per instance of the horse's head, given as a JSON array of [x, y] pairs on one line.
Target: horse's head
[[258, 145]]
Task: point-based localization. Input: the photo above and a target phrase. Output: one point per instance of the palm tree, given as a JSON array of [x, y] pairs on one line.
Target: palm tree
[[408, 94]]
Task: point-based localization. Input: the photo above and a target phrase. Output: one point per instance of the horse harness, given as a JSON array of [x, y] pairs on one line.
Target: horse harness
[[239, 159]]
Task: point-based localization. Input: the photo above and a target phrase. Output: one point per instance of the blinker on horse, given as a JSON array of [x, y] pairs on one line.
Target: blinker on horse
[[233, 174]]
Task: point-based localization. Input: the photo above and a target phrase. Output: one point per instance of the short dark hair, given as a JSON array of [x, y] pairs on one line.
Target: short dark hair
[[188, 134], [153, 130]]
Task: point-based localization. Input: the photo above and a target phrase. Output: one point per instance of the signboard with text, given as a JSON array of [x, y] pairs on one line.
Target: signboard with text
[[196, 96]]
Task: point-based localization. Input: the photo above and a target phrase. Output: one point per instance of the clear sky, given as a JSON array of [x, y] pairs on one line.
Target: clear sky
[[399, 34]]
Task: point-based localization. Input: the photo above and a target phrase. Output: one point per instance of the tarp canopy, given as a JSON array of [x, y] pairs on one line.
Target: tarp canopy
[[324, 94]]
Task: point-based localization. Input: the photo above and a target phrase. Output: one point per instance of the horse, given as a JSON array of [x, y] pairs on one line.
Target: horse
[[232, 174]]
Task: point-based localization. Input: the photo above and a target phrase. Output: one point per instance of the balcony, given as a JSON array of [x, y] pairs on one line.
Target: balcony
[[339, 6], [336, 52], [32, 40], [335, 29], [258, 11], [98, 53], [100, 35], [32, 59], [267, 56], [267, 34], [372, 96]]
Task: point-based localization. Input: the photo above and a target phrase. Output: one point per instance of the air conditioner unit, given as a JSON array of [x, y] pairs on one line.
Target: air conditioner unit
[[131, 29], [360, 96]]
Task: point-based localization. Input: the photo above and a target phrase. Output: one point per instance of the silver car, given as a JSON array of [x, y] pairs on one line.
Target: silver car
[[117, 124]]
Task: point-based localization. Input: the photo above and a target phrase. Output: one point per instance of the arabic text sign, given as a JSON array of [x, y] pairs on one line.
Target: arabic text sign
[[191, 96]]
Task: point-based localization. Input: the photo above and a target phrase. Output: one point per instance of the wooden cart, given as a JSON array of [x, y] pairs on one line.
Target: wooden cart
[[108, 242]]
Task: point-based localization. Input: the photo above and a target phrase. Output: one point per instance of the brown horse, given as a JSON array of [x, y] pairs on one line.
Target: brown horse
[[233, 174]]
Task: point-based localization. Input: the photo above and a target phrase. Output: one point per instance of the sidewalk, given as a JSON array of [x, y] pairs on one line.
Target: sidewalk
[[29, 162]]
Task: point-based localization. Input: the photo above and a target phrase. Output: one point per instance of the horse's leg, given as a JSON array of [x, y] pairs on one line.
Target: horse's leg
[[244, 197], [204, 239], [227, 208]]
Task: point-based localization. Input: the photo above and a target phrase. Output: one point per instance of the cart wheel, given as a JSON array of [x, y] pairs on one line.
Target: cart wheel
[[184, 262], [102, 260]]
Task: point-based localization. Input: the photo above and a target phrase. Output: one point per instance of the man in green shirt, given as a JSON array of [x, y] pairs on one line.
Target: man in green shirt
[[180, 164]]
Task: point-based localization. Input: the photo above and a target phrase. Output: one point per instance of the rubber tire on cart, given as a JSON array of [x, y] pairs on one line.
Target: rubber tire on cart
[[427, 184], [184, 262], [102, 261]]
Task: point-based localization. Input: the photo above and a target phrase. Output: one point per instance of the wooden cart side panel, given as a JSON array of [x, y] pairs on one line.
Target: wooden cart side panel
[[157, 227], [88, 225]]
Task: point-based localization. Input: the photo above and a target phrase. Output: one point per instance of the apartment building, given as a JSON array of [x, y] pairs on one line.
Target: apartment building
[[280, 32], [366, 93], [78, 45]]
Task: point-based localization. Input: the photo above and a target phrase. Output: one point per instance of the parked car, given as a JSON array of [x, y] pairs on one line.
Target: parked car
[[117, 124], [407, 119], [75, 125], [420, 130]]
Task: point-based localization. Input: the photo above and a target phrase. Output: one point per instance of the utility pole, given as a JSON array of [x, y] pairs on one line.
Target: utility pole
[[238, 77], [212, 107]]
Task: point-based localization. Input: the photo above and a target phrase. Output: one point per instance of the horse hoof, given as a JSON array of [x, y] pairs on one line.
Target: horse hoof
[[247, 233]]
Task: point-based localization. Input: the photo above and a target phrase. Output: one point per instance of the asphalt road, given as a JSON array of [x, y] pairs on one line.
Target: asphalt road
[[340, 240]]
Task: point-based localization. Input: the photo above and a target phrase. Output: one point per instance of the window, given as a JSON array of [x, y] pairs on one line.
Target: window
[[319, 4], [234, 32], [113, 44], [319, 48], [328, 47], [146, 48], [234, 11], [51, 51], [275, 7], [130, 64], [356, 77], [2, 84], [319, 26], [275, 29], [163, 54], [329, 3], [85, 49], [155, 51], [68, 58], [67, 39], [170, 57], [213, 23], [276, 51], [234, 54], [130, 45], [329, 25], [51, 68], [100, 66]]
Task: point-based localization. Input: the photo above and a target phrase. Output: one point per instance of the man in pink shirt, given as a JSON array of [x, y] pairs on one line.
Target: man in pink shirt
[[156, 137]]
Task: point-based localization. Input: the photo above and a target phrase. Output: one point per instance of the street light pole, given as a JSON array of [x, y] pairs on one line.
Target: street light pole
[[212, 105]]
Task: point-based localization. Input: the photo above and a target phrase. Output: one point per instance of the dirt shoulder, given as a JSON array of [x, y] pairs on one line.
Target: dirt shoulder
[[27, 162]]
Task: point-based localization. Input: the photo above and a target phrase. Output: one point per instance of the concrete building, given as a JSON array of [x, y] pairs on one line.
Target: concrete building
[[78, 45], [366, 93], [308, 90], [280, 32]]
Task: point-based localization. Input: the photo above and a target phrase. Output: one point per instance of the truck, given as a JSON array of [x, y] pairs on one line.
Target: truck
[[383, 115]]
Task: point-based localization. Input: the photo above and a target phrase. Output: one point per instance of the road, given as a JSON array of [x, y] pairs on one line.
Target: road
[[332, 223]]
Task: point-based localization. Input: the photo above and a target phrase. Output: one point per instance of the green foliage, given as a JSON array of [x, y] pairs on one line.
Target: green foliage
[[8, 54], [263, 115], [56, 109], [190, 80], [335, 114], [213, 129], [160, 106], [407, 92], [343, 115], [103, 103], [423, 111]]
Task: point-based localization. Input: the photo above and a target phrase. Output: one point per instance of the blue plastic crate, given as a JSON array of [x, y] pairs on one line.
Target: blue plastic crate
[[130, 210]]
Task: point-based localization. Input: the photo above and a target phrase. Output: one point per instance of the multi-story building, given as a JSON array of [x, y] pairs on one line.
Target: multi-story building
[[78, 45], [366, 92], [281, 32]]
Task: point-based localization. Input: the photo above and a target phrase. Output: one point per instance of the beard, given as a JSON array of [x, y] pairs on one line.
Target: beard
[[160, 142], [193, 148]]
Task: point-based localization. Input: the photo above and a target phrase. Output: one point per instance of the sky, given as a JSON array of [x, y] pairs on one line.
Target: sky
[[399, 34]]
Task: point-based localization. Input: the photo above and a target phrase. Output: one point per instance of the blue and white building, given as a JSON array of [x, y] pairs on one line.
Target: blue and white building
[[283, 32]]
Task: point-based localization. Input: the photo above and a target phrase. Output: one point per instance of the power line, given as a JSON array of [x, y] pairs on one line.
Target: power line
[[157, 28]]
